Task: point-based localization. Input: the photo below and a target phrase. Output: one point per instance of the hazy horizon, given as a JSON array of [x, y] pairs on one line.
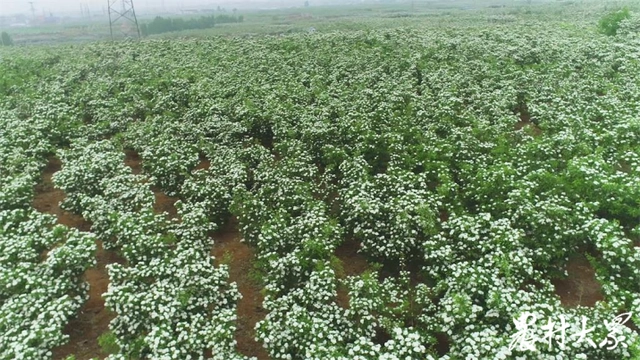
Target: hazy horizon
[[75, 7]]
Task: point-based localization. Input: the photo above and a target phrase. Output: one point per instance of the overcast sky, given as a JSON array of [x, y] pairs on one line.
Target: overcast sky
[[71, 7]]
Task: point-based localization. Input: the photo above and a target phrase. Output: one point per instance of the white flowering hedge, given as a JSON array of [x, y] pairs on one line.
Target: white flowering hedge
[[41, 263], [214, 188], [94, 176], [172, 302], [41, 277], [469, 164], [391, 214], [23, 148]]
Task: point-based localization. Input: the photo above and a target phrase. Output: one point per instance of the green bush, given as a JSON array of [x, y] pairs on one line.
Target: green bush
[[610, 23], [6, 39], [108, 344]]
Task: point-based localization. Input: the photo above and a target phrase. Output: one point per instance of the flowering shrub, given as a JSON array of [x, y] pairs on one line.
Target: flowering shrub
[[618, 267], [166, 158], [215, 187], [305, 322], [293, 245], [168, 163], [16, 192], [23, 145], [610, 23], [40, 276], [159, 313], [170, 299], [174, 306], [616, 193], [97, 170], [390, 214], [41, 263]]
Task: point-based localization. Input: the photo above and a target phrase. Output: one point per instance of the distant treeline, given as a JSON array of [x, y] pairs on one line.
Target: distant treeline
[[161, 25]]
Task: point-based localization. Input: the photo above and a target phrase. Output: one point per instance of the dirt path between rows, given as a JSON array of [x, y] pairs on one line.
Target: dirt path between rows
[[47, 199], [522, 111], [353, 264], [580, 288], [93, 318], [227, 246]]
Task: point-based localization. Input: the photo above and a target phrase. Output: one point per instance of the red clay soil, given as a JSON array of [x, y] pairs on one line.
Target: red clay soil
[[444, 216], [93, 319], [133, 160], [580, 288], [227, 245], [525, 120], [163, 203], [353, 264], [442, 344], [204, 164], [47, 199]]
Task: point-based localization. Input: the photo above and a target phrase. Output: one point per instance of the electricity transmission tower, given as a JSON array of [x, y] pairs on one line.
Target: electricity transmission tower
[[121, 12], [33, 10]]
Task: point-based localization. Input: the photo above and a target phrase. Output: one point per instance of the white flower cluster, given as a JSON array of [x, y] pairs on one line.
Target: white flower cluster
[[391, 214], [96, 181], [619, 264], [23, 146], [39, 293], [167, 158], [630, 27], [214, 187]]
